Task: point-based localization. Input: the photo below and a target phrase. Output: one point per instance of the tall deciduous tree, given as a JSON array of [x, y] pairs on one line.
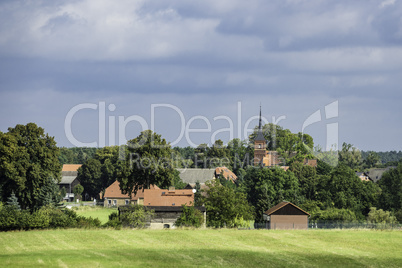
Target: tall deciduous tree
[[225, 207], [350, 156], [268, 187], [391, 186], [148, 161], [28, 164], [97, 173]]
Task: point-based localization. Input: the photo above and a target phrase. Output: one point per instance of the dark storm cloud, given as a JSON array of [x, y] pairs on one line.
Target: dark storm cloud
[[294, 56]]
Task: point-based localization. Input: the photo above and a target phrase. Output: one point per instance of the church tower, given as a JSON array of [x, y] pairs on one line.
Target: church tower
[[260, 146]]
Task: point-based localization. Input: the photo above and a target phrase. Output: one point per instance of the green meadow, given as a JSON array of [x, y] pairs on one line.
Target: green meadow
[[95, 212], [205, 247]]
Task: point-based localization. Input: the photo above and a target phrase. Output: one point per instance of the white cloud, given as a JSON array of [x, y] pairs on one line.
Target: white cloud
[[387, 3]]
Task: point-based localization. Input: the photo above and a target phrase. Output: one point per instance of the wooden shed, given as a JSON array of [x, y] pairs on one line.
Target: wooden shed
[[286, 215]]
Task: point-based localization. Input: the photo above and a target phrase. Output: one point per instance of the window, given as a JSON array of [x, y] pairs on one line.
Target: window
[[127, 201], [166, 226], [109, 202], [259, 146], [114, 202]]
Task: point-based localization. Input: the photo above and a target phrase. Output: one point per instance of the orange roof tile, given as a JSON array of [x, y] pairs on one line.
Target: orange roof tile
[[161, 197], [114, 191], [227, 173], [71, 167]]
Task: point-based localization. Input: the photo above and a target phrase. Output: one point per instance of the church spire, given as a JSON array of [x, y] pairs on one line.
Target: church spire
[[260, 136]]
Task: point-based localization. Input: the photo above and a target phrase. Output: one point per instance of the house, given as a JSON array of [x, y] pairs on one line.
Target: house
[[363, 176], [69, 180], [166, 203], [310, 162], [226, 173], [375, 174], [113, 196], [286, 215], [193, 175]]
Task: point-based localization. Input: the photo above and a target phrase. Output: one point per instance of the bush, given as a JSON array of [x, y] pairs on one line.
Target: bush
[[190, 217], [334, 215], [114, 221], [380, 216], [9, 218], [135, 216], [83, 222], [46, 217]]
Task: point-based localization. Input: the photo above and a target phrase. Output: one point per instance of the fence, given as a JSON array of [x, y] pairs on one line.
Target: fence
[[352, 225], [333, 225]]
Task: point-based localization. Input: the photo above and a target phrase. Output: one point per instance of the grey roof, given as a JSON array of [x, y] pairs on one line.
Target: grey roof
[[260, 136], [375, 174], [192, 175], [69, 173], [67, 179]]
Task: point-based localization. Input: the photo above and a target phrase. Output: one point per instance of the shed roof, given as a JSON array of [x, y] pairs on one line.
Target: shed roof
[[192, 175], [67, 179], [281, 205], [71, 167]]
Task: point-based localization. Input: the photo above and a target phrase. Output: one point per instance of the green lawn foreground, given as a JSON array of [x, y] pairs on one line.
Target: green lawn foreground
[[206, 247], [95, 212]]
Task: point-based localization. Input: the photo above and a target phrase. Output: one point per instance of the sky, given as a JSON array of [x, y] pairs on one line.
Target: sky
[[97, 73]]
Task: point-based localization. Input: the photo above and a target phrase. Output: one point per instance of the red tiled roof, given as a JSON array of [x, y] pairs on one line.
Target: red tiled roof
[[281, 205], [113, 191], [161, 197], [70, 167]]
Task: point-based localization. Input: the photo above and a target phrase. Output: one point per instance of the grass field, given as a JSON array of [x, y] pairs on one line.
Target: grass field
[[96, 212], [178, 248]]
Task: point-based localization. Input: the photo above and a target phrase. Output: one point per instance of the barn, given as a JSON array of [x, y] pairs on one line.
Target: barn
[[286, 215]]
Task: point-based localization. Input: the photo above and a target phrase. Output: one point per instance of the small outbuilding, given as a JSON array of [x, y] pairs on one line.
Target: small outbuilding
[[286, 215]]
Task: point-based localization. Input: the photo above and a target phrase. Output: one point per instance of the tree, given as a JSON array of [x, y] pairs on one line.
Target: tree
[[28, 162], [13, 202], [225, 207], [350, 156], [343, 189], [240, 154], [98, 173], [190, 217], [148, 161], [89, 175], [78, 189], [197, 195], [267, 187], [308, 179], [391, 186], [372, 160]]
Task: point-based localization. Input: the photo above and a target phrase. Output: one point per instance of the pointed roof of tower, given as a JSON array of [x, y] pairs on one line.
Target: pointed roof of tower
[[260, 136]]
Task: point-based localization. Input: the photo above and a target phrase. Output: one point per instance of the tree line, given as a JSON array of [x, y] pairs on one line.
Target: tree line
[[30, 170]]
